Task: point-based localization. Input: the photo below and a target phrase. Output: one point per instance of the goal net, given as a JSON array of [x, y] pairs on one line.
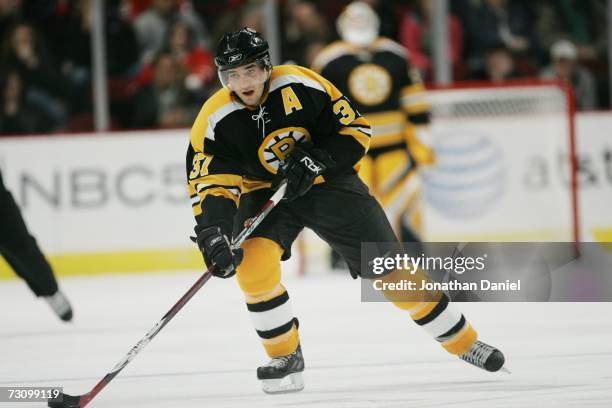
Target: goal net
[[504, 164]]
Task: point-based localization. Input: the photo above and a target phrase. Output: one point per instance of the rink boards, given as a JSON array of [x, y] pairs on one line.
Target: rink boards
[[118, 202]]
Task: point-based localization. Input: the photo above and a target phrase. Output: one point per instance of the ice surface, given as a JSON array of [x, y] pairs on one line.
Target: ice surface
[[357, 354]]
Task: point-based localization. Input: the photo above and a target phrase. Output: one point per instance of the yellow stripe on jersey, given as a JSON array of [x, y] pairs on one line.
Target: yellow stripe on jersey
[[387, 128], [386, 123], [215, 191], [387, 44], [197, 210], [288, 74], [219, 192], [393, 118], [198, 131], [339, 48], [362, 138], [249, 185], [414, 99], [417, 108], [412, 89], [220, 179], [361, 121], [334, 50], [199, 187]]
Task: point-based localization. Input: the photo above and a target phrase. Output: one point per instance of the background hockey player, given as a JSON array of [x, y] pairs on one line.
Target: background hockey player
[[20, 250], [375, 74], [269, 124]]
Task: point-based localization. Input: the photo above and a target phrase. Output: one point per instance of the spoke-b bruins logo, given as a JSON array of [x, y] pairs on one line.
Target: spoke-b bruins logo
[[370, 84], [278, 144]]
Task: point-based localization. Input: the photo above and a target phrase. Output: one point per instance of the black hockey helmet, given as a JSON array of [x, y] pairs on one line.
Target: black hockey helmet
[[242, 47]]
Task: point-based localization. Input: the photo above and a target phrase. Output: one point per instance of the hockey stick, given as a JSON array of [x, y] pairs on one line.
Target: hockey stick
[[80, 401]]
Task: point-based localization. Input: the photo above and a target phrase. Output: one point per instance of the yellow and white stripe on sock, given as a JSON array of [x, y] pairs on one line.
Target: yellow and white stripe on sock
[[267, 299]]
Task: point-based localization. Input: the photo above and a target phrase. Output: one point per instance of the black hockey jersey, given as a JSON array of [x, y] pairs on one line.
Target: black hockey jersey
[[235, 149], [380, 83]]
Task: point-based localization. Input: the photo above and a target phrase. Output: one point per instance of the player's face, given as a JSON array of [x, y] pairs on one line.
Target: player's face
[[247, 82]]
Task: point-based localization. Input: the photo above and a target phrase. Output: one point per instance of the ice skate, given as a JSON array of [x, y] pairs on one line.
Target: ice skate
[[484, 356], [60, 305], [283, 374]]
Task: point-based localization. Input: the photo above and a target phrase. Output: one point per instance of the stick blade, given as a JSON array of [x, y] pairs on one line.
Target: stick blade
[[65, 401]]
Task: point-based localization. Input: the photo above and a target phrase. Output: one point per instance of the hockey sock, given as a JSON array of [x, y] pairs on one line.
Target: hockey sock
[[273, 320], [267, 299], [434, 313]]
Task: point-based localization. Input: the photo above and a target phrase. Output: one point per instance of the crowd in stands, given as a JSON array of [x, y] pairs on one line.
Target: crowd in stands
[[160, 52]]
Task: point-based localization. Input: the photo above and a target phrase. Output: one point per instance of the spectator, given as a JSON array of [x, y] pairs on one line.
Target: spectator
[[582, 22], [565, 66], [387, 13], [235, 13], [499, 65], [304, 25], [17, 115], [196, 60], [312, 51], [10, 14], [73, 31], [416, 36], [252, 16], [165, 102], [152, 26], [23, 49], [496, 21], [133, 8], [121, 44]]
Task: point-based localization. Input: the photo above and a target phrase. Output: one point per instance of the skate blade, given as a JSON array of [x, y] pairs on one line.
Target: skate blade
[[291, 383]]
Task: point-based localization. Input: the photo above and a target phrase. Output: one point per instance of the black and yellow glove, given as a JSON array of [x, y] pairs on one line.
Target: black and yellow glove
[[216, 250], [300, 168]]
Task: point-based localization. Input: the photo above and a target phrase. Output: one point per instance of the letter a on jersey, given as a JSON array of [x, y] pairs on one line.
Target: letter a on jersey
[[290, 100]]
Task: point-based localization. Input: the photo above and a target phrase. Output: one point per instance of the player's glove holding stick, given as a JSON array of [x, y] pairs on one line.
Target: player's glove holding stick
[[300, 168], [216, 249]]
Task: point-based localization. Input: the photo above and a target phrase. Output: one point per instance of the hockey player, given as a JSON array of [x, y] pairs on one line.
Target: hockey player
[[269, 124], [20, 250], [375, 74]]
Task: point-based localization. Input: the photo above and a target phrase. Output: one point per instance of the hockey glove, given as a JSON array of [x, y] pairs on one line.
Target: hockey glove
[[215, 247], [300, 168]]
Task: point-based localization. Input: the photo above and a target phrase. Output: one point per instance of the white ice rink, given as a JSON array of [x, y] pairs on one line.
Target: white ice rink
[[357, 354]]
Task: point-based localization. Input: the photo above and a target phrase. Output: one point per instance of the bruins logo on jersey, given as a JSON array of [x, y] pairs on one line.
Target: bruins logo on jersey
[[278, 144], [370, 84]]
